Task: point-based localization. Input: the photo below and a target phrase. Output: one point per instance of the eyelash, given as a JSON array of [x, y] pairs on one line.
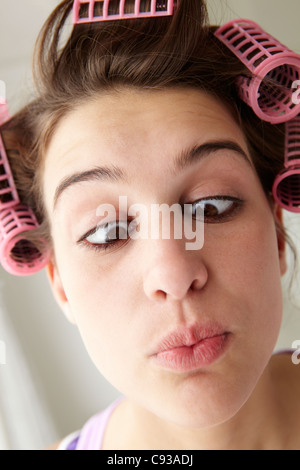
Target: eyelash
[[228, 214]]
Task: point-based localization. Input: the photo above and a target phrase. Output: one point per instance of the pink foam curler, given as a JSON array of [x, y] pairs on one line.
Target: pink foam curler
[[8, 193], [4, 112], [273, 66], [286, 187], [90, 11], [19, 256]]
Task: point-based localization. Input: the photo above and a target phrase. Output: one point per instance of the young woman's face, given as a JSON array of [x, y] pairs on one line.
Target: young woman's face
[[141, 296]]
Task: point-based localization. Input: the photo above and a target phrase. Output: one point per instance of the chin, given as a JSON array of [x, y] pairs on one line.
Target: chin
[[204, 407], [203, 417]]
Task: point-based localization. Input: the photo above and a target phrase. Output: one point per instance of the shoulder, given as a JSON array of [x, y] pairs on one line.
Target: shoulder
[[286, 374], [68, 443], [54, 446], [90, 436], [285, 369], [285, 366]]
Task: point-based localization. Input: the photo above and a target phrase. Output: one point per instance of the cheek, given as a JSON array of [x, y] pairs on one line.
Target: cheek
[[248, 265], [99, 296], [95, 298]]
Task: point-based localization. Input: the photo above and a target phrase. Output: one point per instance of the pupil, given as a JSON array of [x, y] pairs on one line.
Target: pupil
[[210, 210], [117, 232]]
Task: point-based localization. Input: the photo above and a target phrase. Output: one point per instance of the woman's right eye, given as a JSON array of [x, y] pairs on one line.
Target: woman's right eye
[[107, 235]]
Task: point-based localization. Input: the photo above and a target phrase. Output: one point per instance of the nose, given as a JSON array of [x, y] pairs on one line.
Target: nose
[[173, 272]]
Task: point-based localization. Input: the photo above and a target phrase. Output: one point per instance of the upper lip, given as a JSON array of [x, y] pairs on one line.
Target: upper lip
[[189, 336]]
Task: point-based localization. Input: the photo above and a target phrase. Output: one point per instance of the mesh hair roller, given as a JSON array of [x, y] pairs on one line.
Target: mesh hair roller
[[4, 112], [274, 68], [286, 187], [8, 193], [18, 256], [90, 11]]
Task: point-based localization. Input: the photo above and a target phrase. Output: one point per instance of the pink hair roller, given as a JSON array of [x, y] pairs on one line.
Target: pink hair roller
[[266, 58], [4, 112], [286, 187], [99, 10], [18, 256], [8, 193]]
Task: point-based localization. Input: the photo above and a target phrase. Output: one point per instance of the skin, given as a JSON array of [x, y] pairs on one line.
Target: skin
[[124, 300]]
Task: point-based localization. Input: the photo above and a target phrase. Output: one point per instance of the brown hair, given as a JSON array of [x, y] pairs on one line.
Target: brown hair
[[178, 51]]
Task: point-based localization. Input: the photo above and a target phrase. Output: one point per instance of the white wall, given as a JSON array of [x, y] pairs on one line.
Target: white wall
[[64, 375]]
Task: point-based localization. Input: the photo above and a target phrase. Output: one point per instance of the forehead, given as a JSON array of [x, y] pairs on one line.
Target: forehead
[[141, 110], [135, 130]]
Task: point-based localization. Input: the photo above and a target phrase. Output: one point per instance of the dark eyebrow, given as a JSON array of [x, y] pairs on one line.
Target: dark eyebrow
[[197, 152], [112, 173], [185, 159]]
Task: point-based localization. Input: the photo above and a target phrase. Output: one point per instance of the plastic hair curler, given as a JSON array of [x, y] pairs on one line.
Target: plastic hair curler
[[286, 187], [8, 193], [4, 112], [18, 256], [274, 69], [90, 11]]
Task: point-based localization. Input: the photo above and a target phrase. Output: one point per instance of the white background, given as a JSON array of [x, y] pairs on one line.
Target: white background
[[66, 389]]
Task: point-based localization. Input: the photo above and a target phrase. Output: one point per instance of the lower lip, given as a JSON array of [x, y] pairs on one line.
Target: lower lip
[[188, 358]]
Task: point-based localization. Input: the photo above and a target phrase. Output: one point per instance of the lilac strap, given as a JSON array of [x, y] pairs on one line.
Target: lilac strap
[[92, 433], [73, 444], [284, 351]]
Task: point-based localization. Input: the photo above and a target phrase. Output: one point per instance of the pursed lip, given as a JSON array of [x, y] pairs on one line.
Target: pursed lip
[[187, 349], [189, 336]]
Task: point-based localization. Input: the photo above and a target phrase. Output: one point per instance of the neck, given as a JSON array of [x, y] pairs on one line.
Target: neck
[[255, 426]]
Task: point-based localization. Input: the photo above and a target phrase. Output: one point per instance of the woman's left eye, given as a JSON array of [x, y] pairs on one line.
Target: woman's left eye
[[217, 208]]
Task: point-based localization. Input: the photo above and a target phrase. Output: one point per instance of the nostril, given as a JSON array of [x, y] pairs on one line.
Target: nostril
[[160, 295], [196, 285]]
